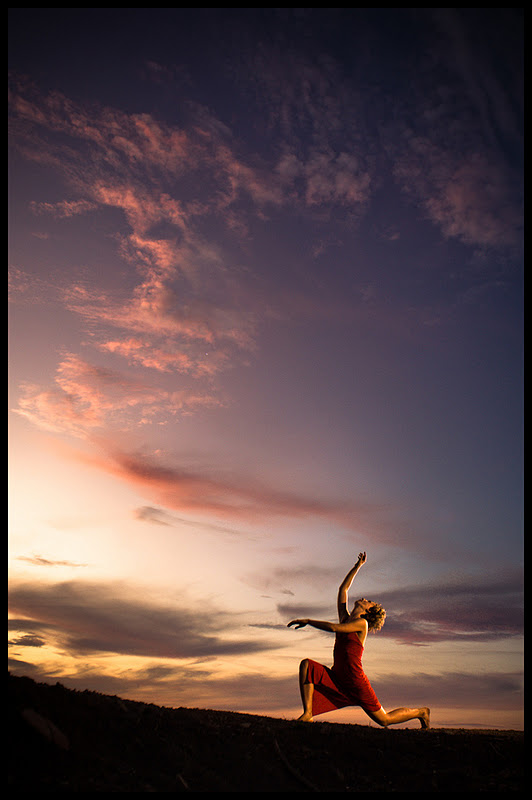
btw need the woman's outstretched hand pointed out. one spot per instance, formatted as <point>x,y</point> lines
<point>299,623</point>
<point>361,559</point>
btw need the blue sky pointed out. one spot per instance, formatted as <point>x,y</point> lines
<point>266,278</point>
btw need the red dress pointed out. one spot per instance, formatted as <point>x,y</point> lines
<point>345,683</point>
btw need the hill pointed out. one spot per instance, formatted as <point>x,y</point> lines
<point>60,740</point>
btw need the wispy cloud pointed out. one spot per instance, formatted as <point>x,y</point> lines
<point>235,498</point>
<point>316,117</point>
<point>471,197</point>
<point>456,141</point>
<point>88,399</point>
<point>159,516</point>
<point>185,307</point>
<point>63,209</point>
<point>40,561</point>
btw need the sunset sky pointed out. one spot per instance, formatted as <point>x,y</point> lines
<point>265,313</point>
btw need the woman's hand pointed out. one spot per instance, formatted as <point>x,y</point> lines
<point>361,559</point>
<point>299,623</point>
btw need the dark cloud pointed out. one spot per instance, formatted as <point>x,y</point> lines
<point>195,688</point>
<point>27,640</point>
<point>470,608</point>
<point>91,618</point>
<point>162,517</point>
<point>155,515</point>
<point>40,561</point>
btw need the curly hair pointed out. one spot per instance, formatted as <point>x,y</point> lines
<point>375,617</point>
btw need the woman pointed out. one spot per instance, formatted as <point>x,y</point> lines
<point>345,684</point>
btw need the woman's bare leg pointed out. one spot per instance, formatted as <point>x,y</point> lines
<point>401,715</point>
<point>307,691</point>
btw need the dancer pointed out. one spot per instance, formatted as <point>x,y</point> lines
<point>345,683</point>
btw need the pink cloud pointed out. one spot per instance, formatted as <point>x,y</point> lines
<point>142,208</point>
<point>138,144</point>
<point>167,359</point>
<point>187,291</point>
<point>221,494</point>
<point>56,411</point>
<point>475,206</point>
<point>87,398</point>
<point>328,178</point>
<point>469,196</point>
<point>137,138</point>
<point>172,268</point>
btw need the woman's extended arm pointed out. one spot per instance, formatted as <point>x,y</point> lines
<point>346,585</point>
<point>359,624</point>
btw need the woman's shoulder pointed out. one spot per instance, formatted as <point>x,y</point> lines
<point>354,631</point>
<point>355,624</point>
<point>357,628</point>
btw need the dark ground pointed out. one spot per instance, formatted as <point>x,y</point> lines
<point>61,740</point>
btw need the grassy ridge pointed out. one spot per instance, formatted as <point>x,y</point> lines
<point>64,740</point>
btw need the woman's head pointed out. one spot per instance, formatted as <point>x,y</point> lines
<point>374,613</point>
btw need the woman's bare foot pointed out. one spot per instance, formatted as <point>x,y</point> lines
<point>305,718</point>
<point>424,717</point>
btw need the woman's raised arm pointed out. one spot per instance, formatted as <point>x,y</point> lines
<point>346,585</point>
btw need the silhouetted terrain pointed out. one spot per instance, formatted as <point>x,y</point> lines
<point>66,741</point>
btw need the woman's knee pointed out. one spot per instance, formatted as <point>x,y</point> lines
<point>380,717</point>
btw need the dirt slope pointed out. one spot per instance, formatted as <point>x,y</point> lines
<point>65,741</point>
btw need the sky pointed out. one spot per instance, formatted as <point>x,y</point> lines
<point>265,313</point>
